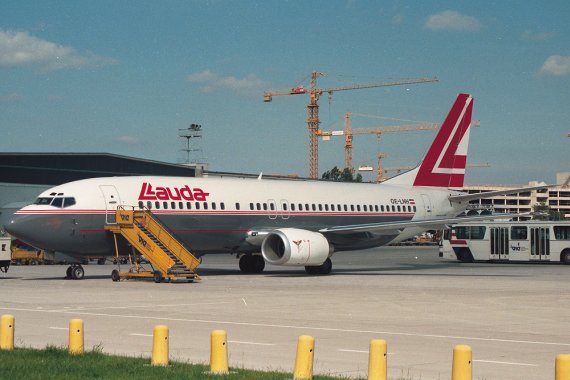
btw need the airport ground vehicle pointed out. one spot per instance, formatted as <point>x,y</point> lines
<point>5,243</point>
<point>531,241</point>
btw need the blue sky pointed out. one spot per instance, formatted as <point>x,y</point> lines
<point>123,77</point>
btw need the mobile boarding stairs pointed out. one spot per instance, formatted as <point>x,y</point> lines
<point>168,257</point>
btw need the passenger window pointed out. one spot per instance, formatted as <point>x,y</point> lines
<point>345,208</point>
<point>188,205</point>
<point>382,208</point>
<point>181,205</point>
<point>148,204</point>
<point>71,201</point>
<point>300,207</point>
<point>205,205</point>
<point>258,206</point>
<point>222,206</point>
<point>284,206</point>
<point>237,205</point>
<point>157,205</point>
<point>393,208</point>
<point>265,206</point>
<point>326,207</point>
<point>357,207</point>
<point>414,208</point>
<point>307,207</point>
<point>141,204</point>
<point>351,207</point>
<point>399,209</point>
<point>292,206</point>
<point>213,205</point>
<point>197,205</point>
<point>272,206</point>
<point>365,208</point>
<point>165,205</point>
<point>314,207</point>
<point>173,205</point>
<point>332,207</point>
<point>250,206</point>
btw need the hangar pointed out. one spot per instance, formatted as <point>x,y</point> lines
<point>25,175</point>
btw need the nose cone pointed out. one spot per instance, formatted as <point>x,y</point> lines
<point>29,229</point>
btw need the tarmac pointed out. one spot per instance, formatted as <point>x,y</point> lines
<point>515,317</point>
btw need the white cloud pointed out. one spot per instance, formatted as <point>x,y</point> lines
<point>130,140</point>
<point>20,48</point>
<point>211,82</point>
<point>452,20</point>
<point>557,65</point>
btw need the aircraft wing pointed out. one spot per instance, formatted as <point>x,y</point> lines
<point>489,194</point>
<point>428,223</point>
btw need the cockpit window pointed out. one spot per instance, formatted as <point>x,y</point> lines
<point>43,201</point>
<point>57,202</point>
<point>60,202</point>
<point>68,201</point>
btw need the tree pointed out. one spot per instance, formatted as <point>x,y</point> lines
<point>346,175</point>
<point>543,212</point>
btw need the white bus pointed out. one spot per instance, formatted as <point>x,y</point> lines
<point>531,241</point>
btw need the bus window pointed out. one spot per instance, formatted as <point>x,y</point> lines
<point>447,234</point>
<point>470,232</point>
<point>519,233</point>
<point>562,232</point>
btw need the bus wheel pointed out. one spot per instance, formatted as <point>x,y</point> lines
<point>565,257</point>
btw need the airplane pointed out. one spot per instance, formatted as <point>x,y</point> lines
<point>281,222</point>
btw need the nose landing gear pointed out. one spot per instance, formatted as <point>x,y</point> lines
<point>74,272</point>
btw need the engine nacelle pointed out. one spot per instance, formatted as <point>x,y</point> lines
<point>295,247</point>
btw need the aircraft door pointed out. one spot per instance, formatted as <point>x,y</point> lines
<point>540,243</point>
<point>272,208</point>
<point>284,209</point>
<point>112,201</point>
<point>427,204</point>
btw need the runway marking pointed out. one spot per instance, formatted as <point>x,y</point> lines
<point>508,363</point>
<point>67,308</point>
<point>356,351</point>
<point>252,343</point>
<point>268,325</point>
<point>136,334</point>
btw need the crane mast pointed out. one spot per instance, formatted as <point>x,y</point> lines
<point>313,120</point>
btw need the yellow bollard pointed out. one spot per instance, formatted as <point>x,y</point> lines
<point>304,358</point>
<point>219,352</point>
<point>461,369</point>
<point>562,367</point>
<point>7,325</point>
<point>76,337</point>
<point>160,346</point>
<point>378,360</point>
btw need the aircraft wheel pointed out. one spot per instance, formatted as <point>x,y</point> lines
<point>324,268</point>
<point>68,273</point>
<point>77,272</point>
<point>157,276</point>
<point>115,275</point>
<point>257,264</point>
<point>245,264</point>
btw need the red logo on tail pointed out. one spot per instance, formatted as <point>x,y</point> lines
<point>444,163</point>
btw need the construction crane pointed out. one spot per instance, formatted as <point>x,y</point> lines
<point>313,120</point>
<point>349,132</point>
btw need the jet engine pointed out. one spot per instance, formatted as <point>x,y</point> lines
<point>295,247</point>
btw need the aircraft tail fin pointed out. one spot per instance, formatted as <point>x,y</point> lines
<point>445,161</point>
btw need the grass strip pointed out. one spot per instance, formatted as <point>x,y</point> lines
<point>56,363</point>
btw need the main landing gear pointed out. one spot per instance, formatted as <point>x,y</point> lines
<point>324,268</point>
<point>74,272</point>
<point>249,263</point>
